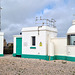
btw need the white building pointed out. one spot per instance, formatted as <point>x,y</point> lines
<point>1,43</point>
<point>71,42</point>
<point>42,43</point>
<point>33,43</point>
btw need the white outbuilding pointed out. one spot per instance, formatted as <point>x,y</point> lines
<point>33,43</point>
<point>42,43</point>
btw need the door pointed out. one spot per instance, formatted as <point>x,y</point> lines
<point>18,46</point>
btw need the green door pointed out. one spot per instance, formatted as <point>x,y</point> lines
<point>18,46</point>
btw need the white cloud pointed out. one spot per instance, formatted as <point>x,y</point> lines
<point>63,14</point>
<point>17,14</point>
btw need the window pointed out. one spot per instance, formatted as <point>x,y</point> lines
<point>68,40</point>
<point>71,39</point>
<point>33,41</point>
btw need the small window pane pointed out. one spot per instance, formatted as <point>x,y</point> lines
<point>71,39</point>
<point>68,40</point>
<point>33,40</point>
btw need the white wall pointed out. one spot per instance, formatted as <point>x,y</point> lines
<point>1,42</point>
<point>14,48</point>
<point>49,35</point>
<point>44,33</point>
<point>60,46</point>
<point>26,43</point>
<point>71,50</point>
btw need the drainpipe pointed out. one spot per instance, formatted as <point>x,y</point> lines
<point>38,29</point>
<point>50,49</point>
<point>49,58</point>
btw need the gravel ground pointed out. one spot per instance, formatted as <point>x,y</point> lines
<point>21,66</point>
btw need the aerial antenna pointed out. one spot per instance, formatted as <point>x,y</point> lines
<point>43,21</point>
<point>74,15</point>
<point>36,18</point>
<point>53,22</point>
<point>40,18</point>
<point>0,15</point>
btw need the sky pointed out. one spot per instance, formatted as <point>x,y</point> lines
<point>17,14</point>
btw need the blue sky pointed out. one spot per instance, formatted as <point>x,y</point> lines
<point>17,14</point>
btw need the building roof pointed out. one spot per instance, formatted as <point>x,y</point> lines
<point>29,29</point>
<point>71,30</point>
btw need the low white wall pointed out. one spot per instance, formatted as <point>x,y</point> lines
<point>71,50</point>
<point>60,46</point>
<point>14,44</point>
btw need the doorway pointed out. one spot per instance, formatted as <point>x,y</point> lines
<point>18,47</point>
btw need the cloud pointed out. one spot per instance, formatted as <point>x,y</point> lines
<point>17,14</point>
<point>63,14</point>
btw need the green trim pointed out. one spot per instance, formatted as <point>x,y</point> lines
<point>14,54</point>
<point>44,57</point>
<point>59,57</point>
<point>70,58</point>
<point>52,57</point>
<point>1,55</point>
<point>32,47</point>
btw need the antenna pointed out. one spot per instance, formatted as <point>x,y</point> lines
<point>36,18</point>
<point>53,22</point>
<point>73,14</point>
<point>40,18</point>
<point>47,22</point>
<point>0,15</point>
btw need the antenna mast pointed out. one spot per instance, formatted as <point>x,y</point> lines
<point>45,21</point>
<point>74,15</point>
